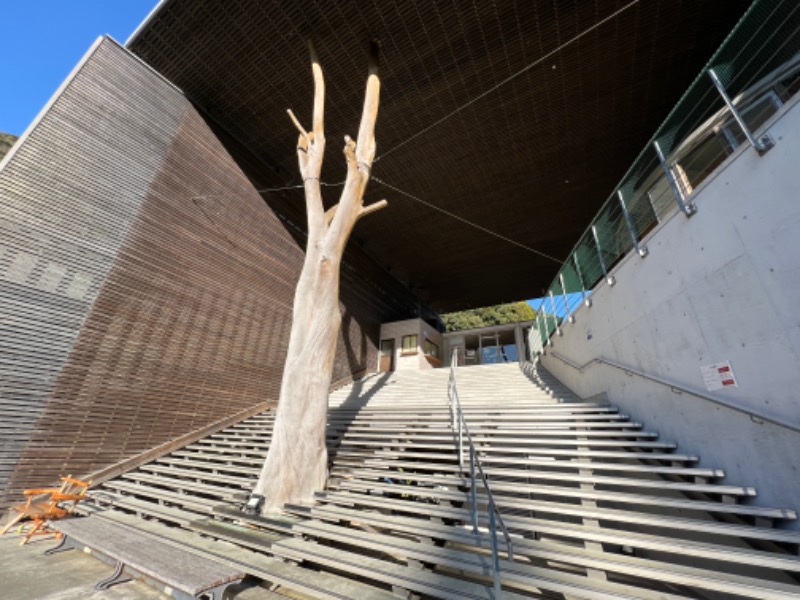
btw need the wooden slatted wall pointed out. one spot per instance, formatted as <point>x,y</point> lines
<point>153,293</point>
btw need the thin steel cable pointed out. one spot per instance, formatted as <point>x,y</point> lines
<point>511,77</point>
<point>298,187</point>
<point>463,220</point>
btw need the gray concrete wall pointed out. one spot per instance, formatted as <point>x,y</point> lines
<point>721,285</point>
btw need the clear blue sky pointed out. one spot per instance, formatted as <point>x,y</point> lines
<point>42,42</point>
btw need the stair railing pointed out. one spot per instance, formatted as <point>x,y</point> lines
<point>755,416</point>
<point>459,426</point>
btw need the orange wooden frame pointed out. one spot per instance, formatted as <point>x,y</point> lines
<point>45,504</point>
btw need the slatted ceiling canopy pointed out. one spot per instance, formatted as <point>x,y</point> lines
<point>531,159</point>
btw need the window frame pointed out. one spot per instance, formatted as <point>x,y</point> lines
<point>408,352</point>
<point>435,346</point>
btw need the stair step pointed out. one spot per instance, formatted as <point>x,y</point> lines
<point>176,483</point>
<point>113,502</point>
<point>517,450</point>
<point>291,578</point>
<point>581,533</point>
<point>512,573</point>
<point>279,523</point>
<point>409,578</point>
<point>499,487</point>
<point>189,501</point>
<point>590,454</point>
<point>517,428</point>
<point>240,481</point>
<point>207,464</point>
<point>677,525</point>
<point>602,480</point>
<point>648,570</point>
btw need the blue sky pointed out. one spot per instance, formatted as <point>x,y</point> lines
<point>44,39</point>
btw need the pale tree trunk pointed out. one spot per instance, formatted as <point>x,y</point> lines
<point>297,463</point>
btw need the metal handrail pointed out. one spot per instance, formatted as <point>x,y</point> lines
<point>676,388</point>
<point>457,420</point>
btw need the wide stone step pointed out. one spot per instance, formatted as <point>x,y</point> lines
<point>409,578</point>
<point>502,437</point>
<point>513,574</point>
<point>176,483</point>
<point>500,488</point>
<point>488,457</point>
<point>412,453</point>
<point>579,532</point>
<point>422,409</point>
<point>554,442</point>
<point>158,494</point>
<point>676,525</point>
<point>654,484</point>
<point>518,427</point>
<point>646,570</point>
<point>208,465</point>
<point>110,501</point>
<point>240,481</point>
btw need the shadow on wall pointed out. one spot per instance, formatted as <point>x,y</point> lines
<point>357,354</point>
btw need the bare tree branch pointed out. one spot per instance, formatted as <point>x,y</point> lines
<point>375,206</point>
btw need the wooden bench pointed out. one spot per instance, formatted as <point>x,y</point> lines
<point>177,571</point>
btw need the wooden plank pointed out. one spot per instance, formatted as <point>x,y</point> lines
<point>163,562</point>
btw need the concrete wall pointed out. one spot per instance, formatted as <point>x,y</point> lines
<point>417,360</point>
<point>721,285</point>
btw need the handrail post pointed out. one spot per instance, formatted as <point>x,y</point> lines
<point>570,316</point>
<point>555,314</point>
<point>609,278</point>
<point>498,592</point>
<point>542,334</point>
<point>586,300</point>
<point>762,145</point>
<point>687,208</point>
<point>473,492</point>
<point>641,251</point>
<point>460,438</point>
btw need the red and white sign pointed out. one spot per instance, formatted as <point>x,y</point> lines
<point>718,376</point>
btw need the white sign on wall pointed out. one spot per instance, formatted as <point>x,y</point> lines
<point>718,376</point>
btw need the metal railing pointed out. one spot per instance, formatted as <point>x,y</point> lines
<point>678,389</point>
<point>726,110</point>
<point>459,426</point>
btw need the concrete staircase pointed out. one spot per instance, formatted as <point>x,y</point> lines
<point>598,507</point>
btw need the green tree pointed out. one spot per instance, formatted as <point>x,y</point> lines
<point>6,141</point>
<point>500,314</point>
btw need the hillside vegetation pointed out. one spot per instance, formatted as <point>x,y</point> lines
<point>488,316</point>
<point>6,141</point>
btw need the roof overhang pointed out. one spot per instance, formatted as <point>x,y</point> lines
<point>503,125</point>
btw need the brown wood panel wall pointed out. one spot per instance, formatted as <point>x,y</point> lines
<point>68,195</point>
<point>191,318</point>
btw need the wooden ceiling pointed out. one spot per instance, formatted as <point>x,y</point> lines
<point>504,125</point>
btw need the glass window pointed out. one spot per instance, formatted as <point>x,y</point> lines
<point>431,349</point>
<point>409,344</point>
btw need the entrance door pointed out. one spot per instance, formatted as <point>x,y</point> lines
<point>387,356</point>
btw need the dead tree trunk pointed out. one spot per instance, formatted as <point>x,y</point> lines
<point>297,463</point>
